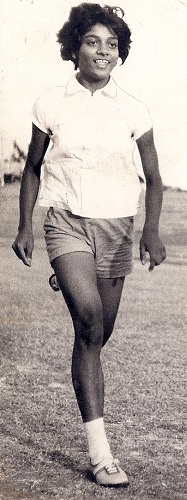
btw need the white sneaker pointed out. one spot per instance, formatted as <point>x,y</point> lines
<point>108,473</point>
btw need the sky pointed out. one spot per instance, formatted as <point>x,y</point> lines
<point>155,71</point>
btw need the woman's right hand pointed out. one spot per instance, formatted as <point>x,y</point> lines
<point>23,246</point>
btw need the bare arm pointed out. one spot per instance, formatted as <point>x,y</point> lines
<point>24,242</point>
<point>150,241</point>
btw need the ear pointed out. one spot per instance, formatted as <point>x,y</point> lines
<point>119,61</point>
<point>75,59</point>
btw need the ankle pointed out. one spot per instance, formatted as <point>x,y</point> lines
<point>98,445</point>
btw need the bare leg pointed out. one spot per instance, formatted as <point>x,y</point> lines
<point>110,290</point>
<point>93,315</point>
<point>77,279</point>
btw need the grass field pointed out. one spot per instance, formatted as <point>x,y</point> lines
<point>43,448</point>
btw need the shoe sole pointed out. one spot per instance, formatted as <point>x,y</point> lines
<point>91,476</point>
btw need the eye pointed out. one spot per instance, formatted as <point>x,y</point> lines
<point>113,45</point>
<point>91,42</point>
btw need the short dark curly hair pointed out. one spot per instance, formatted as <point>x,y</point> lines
<point>82,18</point>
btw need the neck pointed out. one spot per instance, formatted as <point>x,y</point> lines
<point>92,85</point>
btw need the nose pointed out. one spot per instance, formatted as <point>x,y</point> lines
<point>102,49</point>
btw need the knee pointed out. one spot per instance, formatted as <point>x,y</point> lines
<point>89,324</point>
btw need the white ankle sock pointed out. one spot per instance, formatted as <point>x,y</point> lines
<point>98,445</point>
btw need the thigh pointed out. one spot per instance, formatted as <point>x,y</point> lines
<point>76,275</point>
<point>110,290</point>
<point>113,239</point>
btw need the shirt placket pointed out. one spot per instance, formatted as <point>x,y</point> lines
<point>90,129</point>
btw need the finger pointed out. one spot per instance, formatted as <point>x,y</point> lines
<point>26,258</point>
<point>164,254</point>
<point>158,259</point>
<point>152,264</point>
<point>142,254</point>
<point>18,251</point>
<point>21,254</point>
<point>27,261</point>
<point>14,247</point>
<point>28,253</point>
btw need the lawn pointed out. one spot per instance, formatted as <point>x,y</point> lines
<point>43,447</point>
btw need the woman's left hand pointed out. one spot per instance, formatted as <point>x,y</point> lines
<point>151,243</point>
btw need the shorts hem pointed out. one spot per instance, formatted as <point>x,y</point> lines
<point>59,253</point>
<point>110,274</point>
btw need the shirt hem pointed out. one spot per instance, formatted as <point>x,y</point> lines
<point>90,215</point>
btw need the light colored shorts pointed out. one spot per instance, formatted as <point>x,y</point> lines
<point>108,240</point>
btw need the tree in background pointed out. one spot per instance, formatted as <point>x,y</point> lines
<point>13,167</point>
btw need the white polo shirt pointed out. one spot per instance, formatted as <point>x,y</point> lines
<point>89,170</point>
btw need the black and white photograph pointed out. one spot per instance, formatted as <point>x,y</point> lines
<point>93,347</point>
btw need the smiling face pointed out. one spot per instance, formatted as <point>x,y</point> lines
<point>97,56</point>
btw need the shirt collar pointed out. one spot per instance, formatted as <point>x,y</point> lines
<point>73,86</point>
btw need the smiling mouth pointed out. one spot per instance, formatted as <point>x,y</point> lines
<point>102,63</point>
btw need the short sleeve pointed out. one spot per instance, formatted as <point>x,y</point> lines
<point>143,121</point>
<point>40,114</point>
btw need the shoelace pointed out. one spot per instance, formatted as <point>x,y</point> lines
<point>113,467</point>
